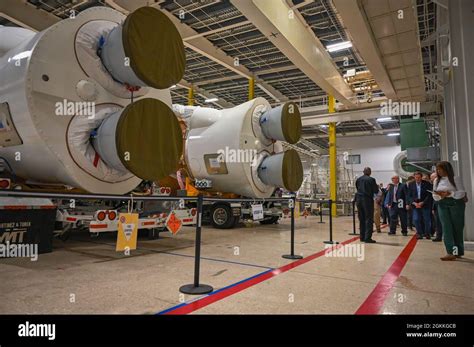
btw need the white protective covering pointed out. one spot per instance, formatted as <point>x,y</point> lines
<point>11,37</point>
<point>82,150</point>
<point>86,45</point>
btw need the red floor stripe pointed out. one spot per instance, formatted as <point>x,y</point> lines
<point>207,300</point>
<point>374,302</point>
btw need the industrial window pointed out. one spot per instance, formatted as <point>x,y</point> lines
<point>353,159</point>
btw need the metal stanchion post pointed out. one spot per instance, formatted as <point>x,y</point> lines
<point>196,288</point>
<point>321,213</point>
<point>330,225</point>
<point>354,232</point>
<point>292,254</point>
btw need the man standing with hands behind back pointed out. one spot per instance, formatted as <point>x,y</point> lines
<point>367,188</point>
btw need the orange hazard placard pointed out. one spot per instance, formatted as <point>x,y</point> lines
<point>173,223</point>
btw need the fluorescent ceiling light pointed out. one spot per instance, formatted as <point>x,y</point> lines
<point>314,150</point>
<point>173,86</point>
<point>384,119</point>
<point>339,46</point>
<point>393,134</point>
<point>323,126</point>
<point>211,100</point>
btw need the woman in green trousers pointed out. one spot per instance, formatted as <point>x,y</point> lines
<point>448,192</point>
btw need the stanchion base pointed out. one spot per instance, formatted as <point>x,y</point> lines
<point>192,290</point>
<point>321,222</point>
<point>292,256</point>
<point>331,242</point>
<point>353,234</point>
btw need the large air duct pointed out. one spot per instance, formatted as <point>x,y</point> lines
<point>85,102</point>
<point>398,166</point>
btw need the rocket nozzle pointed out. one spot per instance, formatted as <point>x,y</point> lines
<point>282,123</point>
<point>146,50</point>
<point>283,170</point>
<point>144,138</point>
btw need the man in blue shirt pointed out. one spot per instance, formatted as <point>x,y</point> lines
<point>421,200</point>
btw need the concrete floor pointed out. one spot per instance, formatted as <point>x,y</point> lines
<point>86,275</point>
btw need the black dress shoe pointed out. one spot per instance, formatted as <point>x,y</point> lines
<point>370,241</point>
<point>391,233</point>
<point>428,237</point>
<point>436,240</point>
<point>405,234</point>
<point>419,237</point>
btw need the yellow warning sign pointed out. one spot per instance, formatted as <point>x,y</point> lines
<point>127,232</point>
<point>173,223</point>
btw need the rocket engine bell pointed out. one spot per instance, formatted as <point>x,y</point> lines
<point>85,102</point>
<point>239,149</point>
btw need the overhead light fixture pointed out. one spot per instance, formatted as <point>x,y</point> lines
<point>384,119</point>
<point>393,134</point>
<point>339,46</point>
<point>173,86</point>
<point>211,100</point>
<point>350,73</point>
<point>314,150</point>
<point>323,126</point>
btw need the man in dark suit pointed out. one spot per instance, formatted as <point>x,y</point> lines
<point>421,200</point>
<point>366,190</point>
<point>397,203</point>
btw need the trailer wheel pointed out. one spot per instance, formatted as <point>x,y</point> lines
<point>221,216</point>
<point>270,220</point>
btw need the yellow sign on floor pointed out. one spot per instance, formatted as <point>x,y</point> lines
<point>127,232</point>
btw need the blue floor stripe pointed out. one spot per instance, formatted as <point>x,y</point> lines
<point>215,292</point>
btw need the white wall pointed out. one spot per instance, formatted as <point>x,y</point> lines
<point>376,152</point>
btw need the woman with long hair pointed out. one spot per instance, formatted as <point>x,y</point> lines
<point>449,193</point>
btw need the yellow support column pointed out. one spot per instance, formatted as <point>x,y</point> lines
<point>332,157</point>
<point>251,88</point>
<point>191,96</point>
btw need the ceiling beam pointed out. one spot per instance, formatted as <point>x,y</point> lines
<point>215,31</point>
<point>360,114</point>
<point>257,74</point>
<point>26,15</point>
<point>355,133</point>
<point>355,21</point>
<point>296,40</point>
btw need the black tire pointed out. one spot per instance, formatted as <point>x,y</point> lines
<point>270,220</point>
<point>221,216</point>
